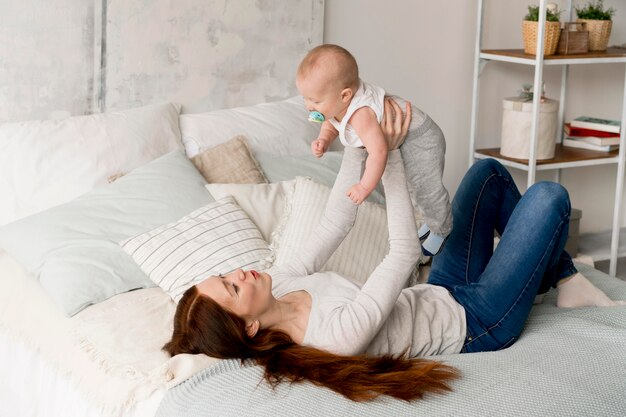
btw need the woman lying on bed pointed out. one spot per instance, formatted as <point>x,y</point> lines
<point>303,324</point>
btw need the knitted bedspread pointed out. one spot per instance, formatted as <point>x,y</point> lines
<point>568,362</point>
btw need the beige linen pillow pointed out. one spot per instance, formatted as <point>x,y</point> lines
<point>229,163</point>
<point>264,203</point>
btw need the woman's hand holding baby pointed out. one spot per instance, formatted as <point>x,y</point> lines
<point>394,124</point>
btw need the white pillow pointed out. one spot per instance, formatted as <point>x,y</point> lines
<point>359,254</point>
<point>215,239</point>
<point>278,128</point>
<point>45,163</point>
<point>264,203</point>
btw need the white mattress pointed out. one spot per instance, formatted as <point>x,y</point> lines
<point>31,388</point>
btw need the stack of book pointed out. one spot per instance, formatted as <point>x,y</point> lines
<point>592,133</point>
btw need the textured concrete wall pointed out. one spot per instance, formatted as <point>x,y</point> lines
<point>206,54</point>
<point>79,57</point>
<point>46,58</point>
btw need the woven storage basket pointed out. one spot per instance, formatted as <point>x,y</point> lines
<point>599,32</point>
<point>550,37</point>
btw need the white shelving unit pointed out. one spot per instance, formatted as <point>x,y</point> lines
<point>595,245</point>
<point>565,157</point>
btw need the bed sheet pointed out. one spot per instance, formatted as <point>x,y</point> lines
<point>568,362</point>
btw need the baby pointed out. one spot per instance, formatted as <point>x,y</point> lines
<point>328,79</point>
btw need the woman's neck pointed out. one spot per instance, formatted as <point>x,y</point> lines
<point>291,315</point>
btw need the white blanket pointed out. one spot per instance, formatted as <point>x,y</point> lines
<point>567,363</point>
<point>110,352</point>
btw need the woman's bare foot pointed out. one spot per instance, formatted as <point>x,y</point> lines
<point>578,291</point>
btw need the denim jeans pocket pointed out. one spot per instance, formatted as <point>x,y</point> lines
<point>482,338</point>
<point>486,342</point>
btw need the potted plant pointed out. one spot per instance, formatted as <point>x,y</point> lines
<point>551,33</point>
<point>598,22</point>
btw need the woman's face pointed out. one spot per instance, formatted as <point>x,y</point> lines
<point>248,294</point>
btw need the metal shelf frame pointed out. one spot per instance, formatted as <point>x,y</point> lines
<point>481,58</point>
<point>550,166</point>
<point>495,56</point>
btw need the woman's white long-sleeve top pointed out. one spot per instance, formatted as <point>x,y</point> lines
<point>381,317</point>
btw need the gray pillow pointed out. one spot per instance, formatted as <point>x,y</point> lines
<point>73,248</point>
<point>322,170</point>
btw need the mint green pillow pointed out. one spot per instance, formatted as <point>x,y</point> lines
<point>322,170</point>
<point>73,248</point>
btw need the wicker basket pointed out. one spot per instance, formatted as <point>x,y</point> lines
<point>550,37</point>
<point>599,32</point>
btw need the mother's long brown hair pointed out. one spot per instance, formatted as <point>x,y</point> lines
<point>201,325</point>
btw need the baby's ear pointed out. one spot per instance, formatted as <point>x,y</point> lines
<point>346,94</point>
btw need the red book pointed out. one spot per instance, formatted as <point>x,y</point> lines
<point>583,132</point>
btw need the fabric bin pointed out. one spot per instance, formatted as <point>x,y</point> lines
<point>516,126</point>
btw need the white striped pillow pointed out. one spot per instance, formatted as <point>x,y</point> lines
<point>215,239</point>
<point>359,254</point>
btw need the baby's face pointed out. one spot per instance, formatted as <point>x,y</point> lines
<point>321,95</point>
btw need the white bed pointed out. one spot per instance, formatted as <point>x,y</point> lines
<point>67,350</point>
<point>55,365</point>
<point>33,387</point>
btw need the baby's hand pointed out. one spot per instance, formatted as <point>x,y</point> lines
<point>357,193</point>
<point>319,147</point>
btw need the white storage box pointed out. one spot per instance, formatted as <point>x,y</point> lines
<point>516,126</point>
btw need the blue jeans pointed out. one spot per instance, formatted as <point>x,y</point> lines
<point>497,288</point>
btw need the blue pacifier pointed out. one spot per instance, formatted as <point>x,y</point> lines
<point>316,117</point>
